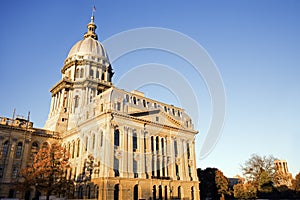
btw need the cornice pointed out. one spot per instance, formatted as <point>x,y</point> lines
<point>33,131</point>
<point>64,83</point>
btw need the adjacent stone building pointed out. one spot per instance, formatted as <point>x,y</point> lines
<point>19,142</point>
<point>284,176</point>
<point>143,149</point>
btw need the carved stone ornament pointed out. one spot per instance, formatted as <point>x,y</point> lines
<point>118,153</point>
<point>136,156</point>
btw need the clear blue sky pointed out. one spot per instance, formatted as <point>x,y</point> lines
<point>255,45</point>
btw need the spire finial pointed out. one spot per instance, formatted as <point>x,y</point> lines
<point>92,27</point>
<point>93,11</point>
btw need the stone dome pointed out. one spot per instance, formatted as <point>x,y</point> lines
<point>88,46</point>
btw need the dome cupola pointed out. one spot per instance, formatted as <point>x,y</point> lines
<point>89,48</point>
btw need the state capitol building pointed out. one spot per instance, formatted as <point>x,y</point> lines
<point>144,149</point>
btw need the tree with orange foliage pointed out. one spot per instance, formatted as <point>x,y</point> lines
<point>47,172</point>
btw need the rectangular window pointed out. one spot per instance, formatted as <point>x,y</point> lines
<point>134,142</point>
<point>135,169</point>
<point>175,148</point>
<point>116,138</point>
<point>93,141</point>
<point>152,144</point>
<point>177,171</point>
<point>188,150</point>
<point>118,106</point>
<point>116,167</point>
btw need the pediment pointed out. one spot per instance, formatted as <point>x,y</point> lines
<point>159,117</point>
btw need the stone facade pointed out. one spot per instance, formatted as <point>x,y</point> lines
<point>143,149</point>
<point>19,142</point>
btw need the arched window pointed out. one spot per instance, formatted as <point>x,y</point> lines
<point>97,74</point>
<point>102,77</point>
<point>19,150</point>
<point>134,100</point>
<point>5,148</point>
<point>45,145</point>
<point>91,73</point>
<point>166,192</point>
<point>160,192</point>
<point>88,191</point>
<point>34,149</point>
<point>81,72</point>
<point>179,192</point>
<point>154,192</point>
<point>192,193</point>
<point>126,98</point>
<point>116,192</point>
<point>136,192</point>
<point>96,191</point>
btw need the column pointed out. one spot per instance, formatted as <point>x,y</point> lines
<point>185,162</point>
<point>124,163</point>
<point>52,105</point>
<point>154,158</point>
<point>130,153</point>
<point>109,148</point>
<point>142,171</point>
<point>166,157</point>
<point>171,160</point>
<point>148,154</point>
<point>193,158</point>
